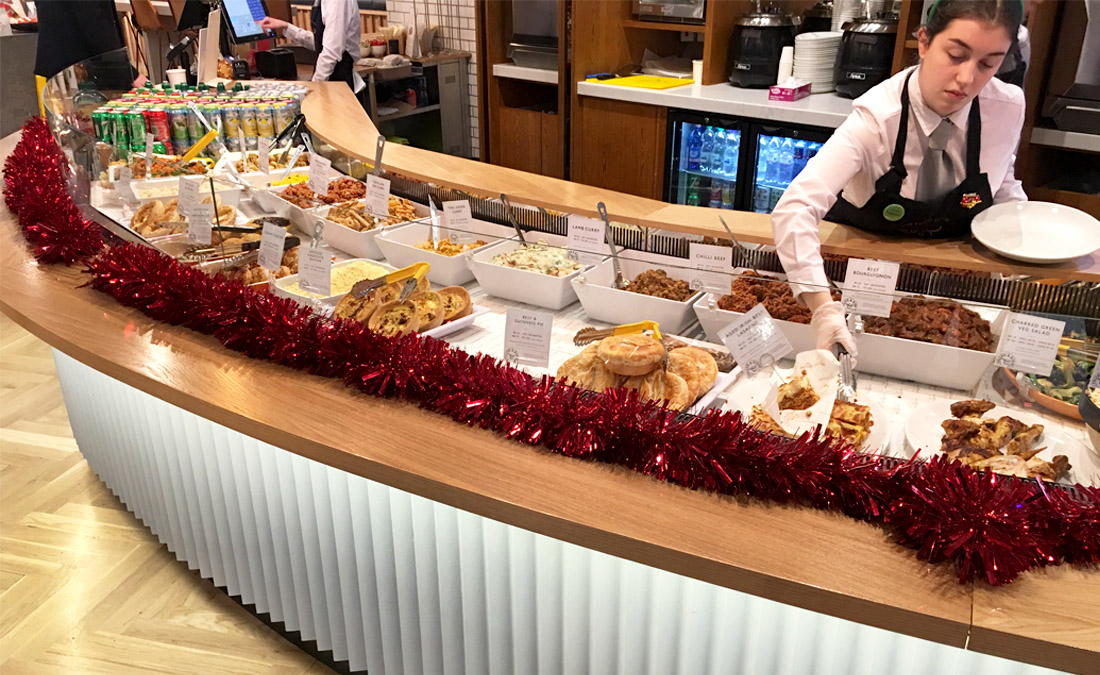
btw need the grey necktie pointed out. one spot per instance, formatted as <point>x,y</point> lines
<point>937,171</point>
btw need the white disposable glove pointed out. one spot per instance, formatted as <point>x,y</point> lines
<point>830,328</point>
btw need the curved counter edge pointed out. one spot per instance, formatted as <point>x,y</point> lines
<point>794,556</point>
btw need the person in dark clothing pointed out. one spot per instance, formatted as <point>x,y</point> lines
<point>71,31</point>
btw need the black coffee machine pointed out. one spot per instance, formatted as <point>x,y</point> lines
<point>756,45</point>
<point>866,53</point>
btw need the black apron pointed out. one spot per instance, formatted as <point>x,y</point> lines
<point>345,68</point>
<point>887,212</point>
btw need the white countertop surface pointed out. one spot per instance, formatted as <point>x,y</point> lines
<point>511,70</point>
<point>823,110</point>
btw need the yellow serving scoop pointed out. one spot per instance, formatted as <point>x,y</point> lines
<point>588,335</point>
<point>410,275</point>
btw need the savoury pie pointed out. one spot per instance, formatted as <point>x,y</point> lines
<point>696,366</point>
<point>456,302</point>
<point>429,309</point>
<point>395,318</point>
<point>631,355</point>
<point>661,385</point>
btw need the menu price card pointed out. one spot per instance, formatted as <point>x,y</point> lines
<point>459,222</point>
<point>148,155</point>
<point>527,337</point>
<point>1029,344</point>
<point>126,184</point>
<point>869,287</point>
<point>378,196</point>
<point>198,223</point>
<point>586,240</point>
<point>263,154</point>
<point>315,271</point>
<point>711,267</point>
<point>271,247</point>
<point>319,170</point>
<point>188,194</point>
<point>755,340</point>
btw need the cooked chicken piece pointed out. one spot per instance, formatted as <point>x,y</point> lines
<point>1022,442</point>
<point>957,428</point>
<point>1061,465</point>
<point>1010,465</point>
<point>971,407</point>
<point>1005,429</point>
<point>1039,468</point>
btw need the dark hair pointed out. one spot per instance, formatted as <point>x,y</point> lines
<point>1008,14</point>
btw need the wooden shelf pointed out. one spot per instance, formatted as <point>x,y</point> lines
<point>665,25</point>
<point>912,44</point>
<point>408,113</point>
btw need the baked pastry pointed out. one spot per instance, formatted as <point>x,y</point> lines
<point>456,302</point>
<point>395,318</point>
<point>797,393</point>
<point>661,385</point>
<point>696,366</point>
<point>429,309</point>
<point>850,421</point>
<point>224,214</point>
<point>588,371</point>
<point>630,355</point>
<point>766,423</point>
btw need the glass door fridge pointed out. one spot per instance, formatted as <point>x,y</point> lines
<point>704,160</point>
<point>774,156</point>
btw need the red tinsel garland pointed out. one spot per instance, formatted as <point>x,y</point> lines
<point>990,527</point>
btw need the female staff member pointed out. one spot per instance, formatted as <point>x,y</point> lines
<point>335,38</point>
<point>921,154</point>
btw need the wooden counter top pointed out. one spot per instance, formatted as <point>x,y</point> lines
<point>333,114</point>
<point>820,561</point>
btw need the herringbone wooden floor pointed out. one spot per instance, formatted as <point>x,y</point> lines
<point>84,587</point>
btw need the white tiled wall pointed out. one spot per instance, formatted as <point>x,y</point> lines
<point>457,31</point>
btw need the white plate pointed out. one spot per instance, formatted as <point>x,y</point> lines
<point>923,432</point>
<point>749,391</point>
<point>1038,232</point>
<point>452,327</point>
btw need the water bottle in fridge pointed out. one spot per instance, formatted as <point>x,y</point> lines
<point>786,161</point>
<point>812,150</point>
<point>706,161</point>
<point>695,147</point>
<point>719,152</point>
<point>729,158</point>
<point>799,157</point>
<point>771,155</point>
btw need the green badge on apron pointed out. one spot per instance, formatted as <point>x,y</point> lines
<point>893,212</point>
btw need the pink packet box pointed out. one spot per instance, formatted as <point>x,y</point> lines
<point>791,90</point>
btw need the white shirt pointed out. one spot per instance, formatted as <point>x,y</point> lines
<point>342,31</point>
<point>859,152</point>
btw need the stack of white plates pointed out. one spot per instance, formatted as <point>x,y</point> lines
<point>814,55</point>
<point>846,10</point>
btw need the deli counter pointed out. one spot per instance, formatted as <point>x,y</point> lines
<point>329,493</point>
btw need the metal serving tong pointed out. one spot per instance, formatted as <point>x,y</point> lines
<point>620,280</point>
<point>229,253</point>
<point>512,218</point>
<point>737,244</point>
<point>410,275</point>
<point>589,335</point>
<point>252,254</point>
<point>847,390</point>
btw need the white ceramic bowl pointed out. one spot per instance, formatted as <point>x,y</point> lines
<point>509,283</point>
<point>398,244</point>
<point>602,301</point>
<point>280,286</point>
<point>1038,232</point>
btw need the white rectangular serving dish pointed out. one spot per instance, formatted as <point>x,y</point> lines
<point>280,285</point>
<point>452,327</point>
<point>398,244</point>
<point>166,189</point>
<point>924,362</point>
<point>359,244</point>
<point>602,301</point>
<point>532,288</point>
<point>271,200</point>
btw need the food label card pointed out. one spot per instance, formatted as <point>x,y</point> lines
<point>712,267</point>
<point>263,154</point>
<point>126,184</point>
<point>527,337</point>
<point>148,154</point>
<point>188,194</point>
<point>459,222</point>
<point>378,195</point>
<point>271,247</point>
<point>586,240</point>
<point>869,287</point>
<point>319,169</point>
<point>315,271</point>
<point>755,340</point>
<point>1029,344</point>
<point>244,144</point>
<point>198,223</point>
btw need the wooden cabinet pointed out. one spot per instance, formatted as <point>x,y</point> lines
<point>619,146</point>
<point>529,140</point>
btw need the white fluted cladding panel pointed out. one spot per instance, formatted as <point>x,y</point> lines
<point>395,583</point>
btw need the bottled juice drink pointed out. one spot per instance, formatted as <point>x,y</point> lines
<point>231,124</point>
<point>177,121</point>
<point>265,126</point>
